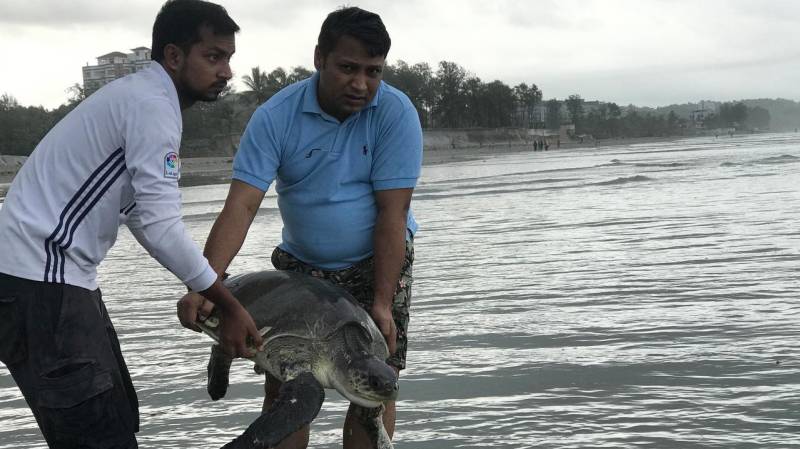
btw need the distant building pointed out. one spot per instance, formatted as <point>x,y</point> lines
<point>592,106</point>
<point>697,117</point>
<point>539,113</point>
<point>112,66</point>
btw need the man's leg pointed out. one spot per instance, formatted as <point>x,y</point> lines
<point>297,440</point>
<point>355,436</point>
<point>70,375</point>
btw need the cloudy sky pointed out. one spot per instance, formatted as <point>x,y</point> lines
<point>645,52</point>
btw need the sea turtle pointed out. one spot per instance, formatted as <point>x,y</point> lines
<point>315,336</point>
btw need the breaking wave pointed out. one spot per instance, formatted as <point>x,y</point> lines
<point>624,180</point>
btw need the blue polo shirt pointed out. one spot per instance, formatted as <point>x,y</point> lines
<point>326,171</point>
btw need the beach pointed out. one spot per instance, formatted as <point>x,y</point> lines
<point>639,295</point>
<point>217,170</point>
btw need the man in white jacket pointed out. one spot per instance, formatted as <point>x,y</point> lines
<point>112,160</point>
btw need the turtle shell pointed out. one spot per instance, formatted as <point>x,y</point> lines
<point>299,305</point>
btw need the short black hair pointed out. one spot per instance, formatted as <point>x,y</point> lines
<point>366,27</point>
<point>179,22</point>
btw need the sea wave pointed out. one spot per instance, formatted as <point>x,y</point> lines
<point>624,180</point>
<point>613,163</point>
<point>662,165</point>
<point>772,160</point>
<point>211,216</point>
<point>782,159</point>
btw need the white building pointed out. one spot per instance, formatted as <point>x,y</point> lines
<point>112,66</point>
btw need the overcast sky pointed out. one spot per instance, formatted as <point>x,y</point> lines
<point>644,52</point>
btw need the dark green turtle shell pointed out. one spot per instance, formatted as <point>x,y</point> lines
<point>300,305</point>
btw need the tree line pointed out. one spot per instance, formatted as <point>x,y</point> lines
<point>22,127</point>
<point>609,120</point>
<point>448,97</point>
<point>445,96</point>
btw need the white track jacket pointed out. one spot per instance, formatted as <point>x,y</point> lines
<point>112,160</point>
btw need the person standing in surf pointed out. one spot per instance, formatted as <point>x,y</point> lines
<point>345,152</point>
<point>112,160</point>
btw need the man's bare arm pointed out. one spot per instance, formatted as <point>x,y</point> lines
<point>230,229</point>
<point>224,242</point>
<point>390,247</point>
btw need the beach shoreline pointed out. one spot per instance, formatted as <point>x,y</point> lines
<point>217,169</point>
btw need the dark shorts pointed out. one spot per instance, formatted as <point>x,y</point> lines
<point>61,348</point>
<point>359,281</point>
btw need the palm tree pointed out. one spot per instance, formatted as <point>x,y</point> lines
<point>258,84</point>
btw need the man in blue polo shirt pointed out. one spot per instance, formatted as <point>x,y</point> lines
<point>345,152</point>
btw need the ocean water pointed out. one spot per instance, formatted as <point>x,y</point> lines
<point>629,296</point>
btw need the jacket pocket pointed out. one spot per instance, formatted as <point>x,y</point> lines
<point>13,347</point>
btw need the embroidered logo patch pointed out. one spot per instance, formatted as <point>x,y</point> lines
<point>172,165</point>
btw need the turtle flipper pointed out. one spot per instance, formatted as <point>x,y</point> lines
<point>219,368</point>
<point>297,404</point>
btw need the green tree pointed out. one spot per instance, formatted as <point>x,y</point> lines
<point>732,114</point>
<point>258,83</point>
<point>527,97</point>
<point>476,111</point>
<point>449,104</point>
<point>500,103</point>
<point>575,108</point>
<point>415,81</point>
<point>76,93</point>
<point>276,80</point>
<point>757,118</point>
<point>8,102</point>
<point>673,123</point>
<point>21,128</point>
<point>299,73</point>
<point>553,115</point>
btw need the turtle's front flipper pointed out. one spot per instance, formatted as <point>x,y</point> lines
<point>298,403</point>
<point>219,368</point>
<point>371,420</point>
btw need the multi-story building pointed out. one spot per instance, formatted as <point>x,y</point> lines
<point>112,66</point>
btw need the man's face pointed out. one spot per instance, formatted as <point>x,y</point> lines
<point>348,77</point>
<point>206,69</point>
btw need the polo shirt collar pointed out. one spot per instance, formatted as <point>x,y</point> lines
<point>311,104</point>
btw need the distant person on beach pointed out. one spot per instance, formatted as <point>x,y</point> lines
<point>112,160</point>
<point>345,151</point>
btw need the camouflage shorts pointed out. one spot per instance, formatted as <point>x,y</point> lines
<point>359,281</point>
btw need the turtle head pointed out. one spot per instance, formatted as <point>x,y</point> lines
<point>360,375</point>
<point>372,381</point>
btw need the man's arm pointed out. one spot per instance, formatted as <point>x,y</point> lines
<point>224,242</point>
<point>152,135</point>
<point>390,249</point>
<point>230,229</point>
